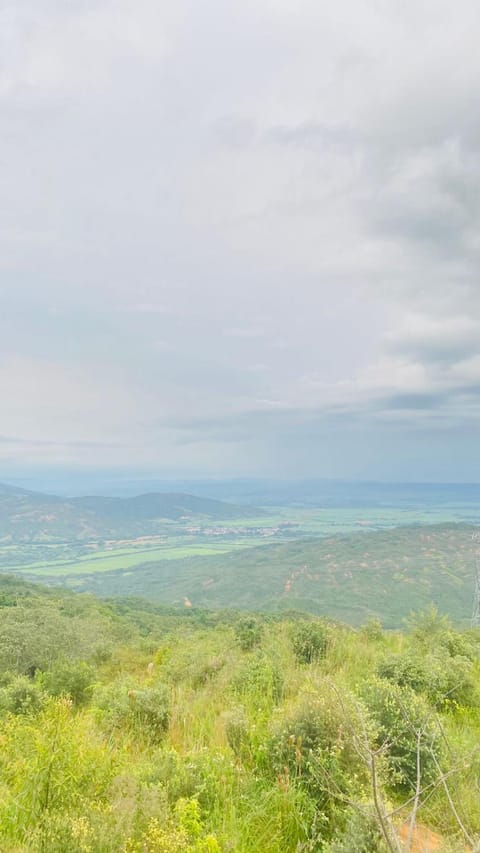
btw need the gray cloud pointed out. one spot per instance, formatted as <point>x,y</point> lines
<point>237,239</point>
<point>314,134</point>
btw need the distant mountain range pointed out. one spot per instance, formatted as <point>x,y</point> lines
<point>33,516</point>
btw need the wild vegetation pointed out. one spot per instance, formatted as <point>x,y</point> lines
<point>140,729</point>
<point>383,573</point>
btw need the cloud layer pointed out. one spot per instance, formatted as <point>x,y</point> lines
<point>241,239</point>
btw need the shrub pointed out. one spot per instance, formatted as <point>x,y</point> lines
<point>144,712</point>
<point>149,710</point>
<point>33,636</point>
<point>197,662</point>
<point>50,765</point>
<point>407,670</point>
<point>69,678</point>
<point>102,653</point>
<point>248,633</point>
<point>316,725</point>
<point>372,629</point>
<point>259,679</point>
<point>428,625</point>
<point>313,747</point>
<point>399,715</point>
<point>20,695</point>
<point>309,641</point>
<point>207,670</point>
<point>361,835</point>
<point>237,731</point>
<point>185,833</point>
<point>458,645</point>
<point>446,681</point>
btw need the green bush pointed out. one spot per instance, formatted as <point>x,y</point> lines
<point>447,682</point>
<point>206,670</point>
<point>197,662</point>
<point>20,695</point>
<point>399,714</point>
<point>237,731</point>
<point>313,748</point>
<point>427,626</point>
<point>69,678</point>
<point>144,712</point>
<point>51,766</point>
<point>458,645</point>
<point>361,835</point>
<point>407,670</point>
<point>34,635</point>
<point>248,633</point>
<point>259,679</point>
<point>185,833</point>
<point>372,629</point>
<point>309,640</point>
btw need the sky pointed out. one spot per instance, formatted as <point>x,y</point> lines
<point>240,239</point>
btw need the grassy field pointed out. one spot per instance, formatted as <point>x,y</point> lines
<point>127,558</point>
<point>328,520</point>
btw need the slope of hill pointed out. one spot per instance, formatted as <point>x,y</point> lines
<point>149,507</point>
<point>125,726</point>
<point>32,516</point>
<point>385,574</point>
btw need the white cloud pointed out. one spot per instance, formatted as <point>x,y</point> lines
<point>216,211</point>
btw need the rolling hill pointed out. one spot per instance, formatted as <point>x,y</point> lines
<point>32,516</point>
<point>351,577</point>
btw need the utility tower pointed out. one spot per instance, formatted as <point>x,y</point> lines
<point>476,597</point>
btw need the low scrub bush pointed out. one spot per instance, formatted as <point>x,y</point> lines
<point>145,712</point>
<point>309,640</point>
<point>237,731</point>
<point>20,695</point>
<point>313,747</point>
<point>69,678</point>
<point>372,629</point>
<point>183,833</point>
<point>447,682</point>
<point>259,679</point>
<point>249,633</point>
<point>400,715</point>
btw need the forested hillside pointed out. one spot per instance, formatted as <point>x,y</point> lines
<point>134,728</point>
<point>350,577</point>
<point>27,516</point>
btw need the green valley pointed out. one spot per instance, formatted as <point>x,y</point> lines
<point>383,573</point>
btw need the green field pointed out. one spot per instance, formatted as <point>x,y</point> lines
<point>43,557</point>
<point>125,558</point>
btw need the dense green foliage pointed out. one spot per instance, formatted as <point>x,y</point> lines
<point>127,728</point>
<point>353,577</point>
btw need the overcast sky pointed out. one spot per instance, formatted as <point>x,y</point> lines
<point>240,238</point>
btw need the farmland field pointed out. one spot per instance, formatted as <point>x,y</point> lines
<point>127,558</point>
